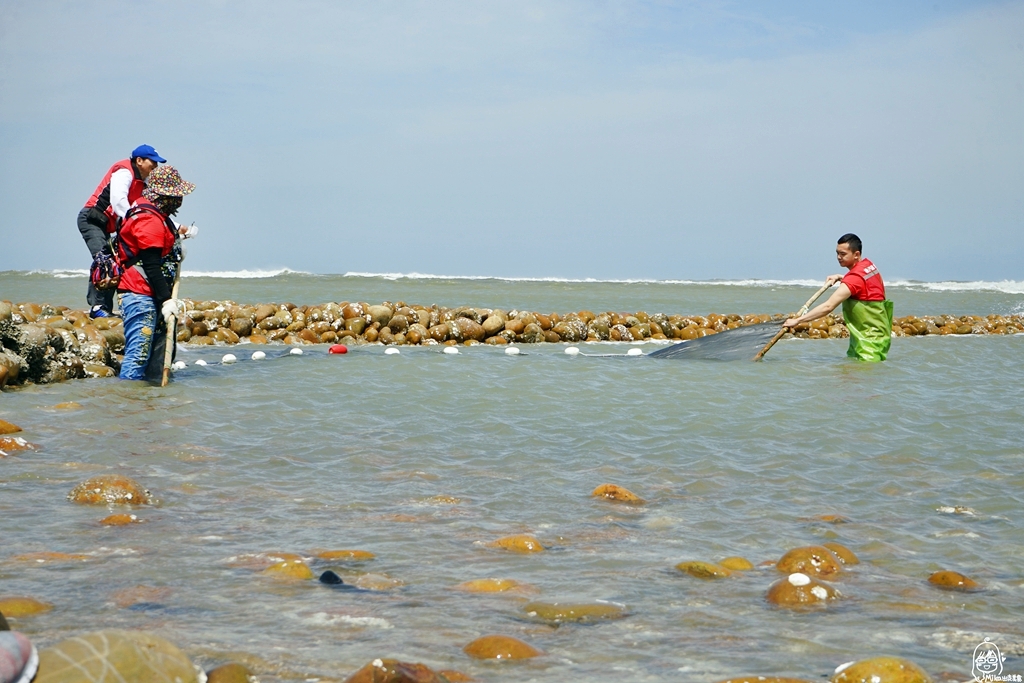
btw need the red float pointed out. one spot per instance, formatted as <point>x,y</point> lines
<point>338,348</point>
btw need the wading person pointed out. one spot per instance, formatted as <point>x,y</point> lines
<point>98,220</point>
<point>148,251</point>
<point>861,292</point>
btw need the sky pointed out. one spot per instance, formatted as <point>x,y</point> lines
<point>659,139</point>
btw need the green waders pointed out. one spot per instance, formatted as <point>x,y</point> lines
<point>870,326</point>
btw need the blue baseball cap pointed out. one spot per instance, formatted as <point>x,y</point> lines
<point>147,152</point>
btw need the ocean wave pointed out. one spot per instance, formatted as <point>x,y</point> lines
<point>589,280</point>
<point>1005,286</point>
<point>243,274</point>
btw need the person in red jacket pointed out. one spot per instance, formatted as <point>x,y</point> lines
<point>98,220</point>
<point>147,250</point>
<point>866,311</point>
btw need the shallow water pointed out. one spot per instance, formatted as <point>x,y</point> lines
<point>298,453</point>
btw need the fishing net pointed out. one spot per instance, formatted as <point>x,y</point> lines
<point>742,343</point>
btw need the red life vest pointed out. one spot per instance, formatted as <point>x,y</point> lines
<point>100,199</point>
<point>865,282</point>
<point>145,227</point>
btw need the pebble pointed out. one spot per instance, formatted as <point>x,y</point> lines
<point>500,647</point>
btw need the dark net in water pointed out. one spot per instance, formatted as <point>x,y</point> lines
<point>742,343</point>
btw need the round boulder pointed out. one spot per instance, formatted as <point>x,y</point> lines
<point>114,655</point>
<point>110,489</point>
<point>520,543</point>
<point>881,670</point>
<point>953,581</point>
<point>704,570</point>
<point>617,494</point>
<point>814,560</point>
<point>798,591</point>
<point>500,647</point>
<point>394,671</point>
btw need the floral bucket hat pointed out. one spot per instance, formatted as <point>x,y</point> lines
<point>166,181</point>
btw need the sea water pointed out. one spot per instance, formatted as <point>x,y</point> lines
<point>424,459</point>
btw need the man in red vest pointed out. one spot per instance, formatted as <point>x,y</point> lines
<point>866,311</point>
<point>99,220</point>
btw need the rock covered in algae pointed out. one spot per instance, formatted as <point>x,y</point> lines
<point>290,570</point>
<point>8,428</point>
<point>617,493</point>
<point>110,489</point>
<point>115,656</point>
<point>953,581</point>
<point>13,444</point>
<point>520,543</point>
<point>845,555</point>
<point>814,560</point>
<point>119,519</point>
<point>500,647</point>
<point>704,570</point>
<point>394,671</point>
<point>355,555</point>
<point>764,679</point>
<point>800,591</point>
<point>738,564</point>
<point>232,672</point>
<point>558,612</point>
<point>881,670</point>
<point>487,585</point>
<point>21,606</point>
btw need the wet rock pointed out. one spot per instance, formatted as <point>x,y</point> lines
<point>487,585</point>
<point>8,428</point>
<point>229,673</point>
<point>131,656</point>
<point>119,519</point>
<point>98,370</point>
<point>881,670</point>
<point>494,324</point>
<point>845,555</point>
<point>4,626</point>
<point>19,606</point>
<point>764,679</point>
<point>359,555</point>
<point>377,582</point>
<point>799,590</point>
<point>14,444</point>
<point>617,494</point>
<point>46,556</point>
<point>953,581</point>
<point>555,612</point>
<point>110,489</point>
<point>736,564</point>
<point>394,671</point>
<point>520,543</point>
<point>464,329</point>
<point>500,647</point>
<point>813,560</point>
<point>331,578</point>
<point>3,376</point>
<point>704,570</point>
<point>290,569</point>
<point>379,314</point>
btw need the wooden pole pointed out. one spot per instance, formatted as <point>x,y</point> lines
<point>782,331</point>
<point>172,330</point>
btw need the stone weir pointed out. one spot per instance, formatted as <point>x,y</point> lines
<point>41,343</point>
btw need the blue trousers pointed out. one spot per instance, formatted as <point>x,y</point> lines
<point>145,337</point>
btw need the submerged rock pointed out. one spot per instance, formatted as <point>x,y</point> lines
<point>557,612</point>
<point>487,585</point>
<point>394,671</point>
<point>704,570</point>
<point>344,555</point>
<point>953,581</point>
<point>13,444</point>
<point>617,494</point>
<point>115,656</point>
<point>290,569</point>
<point>229,673</point>
<point>21,606</point>
<point>520,543</point>
<point>801,591</point>
<point>500,647</point>
<point>740,564</point>
<point>814,560</point>
<point>764,679</point>
<point>8,428</point>
<point>881,670</point>
<point>110,489</point>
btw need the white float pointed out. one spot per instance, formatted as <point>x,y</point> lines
<point>296,352</point>
<point>635,352</point>
<point>200,362</point>
<point>179,365</point>
<point>512,351</point>
<point>391,351</point>
<point>228,359</point>
<point>258,355</point>
<point>450,350</point>
<point>572,351</point>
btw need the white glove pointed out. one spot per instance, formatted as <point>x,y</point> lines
<point>189,231</point>
<point>172,308</point>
